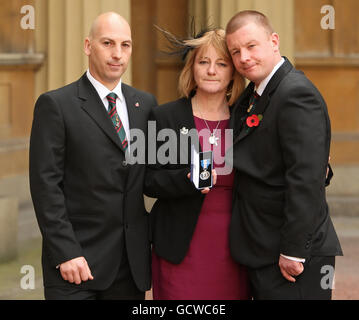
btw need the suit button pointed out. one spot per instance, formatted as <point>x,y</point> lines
<point>124,163</point>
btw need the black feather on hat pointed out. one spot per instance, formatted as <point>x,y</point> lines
<point>179,46</point>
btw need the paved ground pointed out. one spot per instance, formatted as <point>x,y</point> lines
<point>11,278</point>
<point>347,267</point>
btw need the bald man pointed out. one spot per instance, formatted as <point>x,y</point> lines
<point>87,196</point>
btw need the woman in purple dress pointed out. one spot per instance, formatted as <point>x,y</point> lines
<point>190,227</point>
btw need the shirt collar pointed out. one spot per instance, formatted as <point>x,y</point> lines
<point>264,82</point>
<point>102,90</point>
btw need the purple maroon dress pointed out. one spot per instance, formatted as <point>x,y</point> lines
<point>208,271</point>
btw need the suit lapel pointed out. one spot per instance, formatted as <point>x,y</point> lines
<point>186,115</point>
<point>264,100</point>
<point>186,120</point>
<point>240,110</point>
<point>133,107</point>
<point>136,121</point>
<point>135,116</point>
<point>93,106</point>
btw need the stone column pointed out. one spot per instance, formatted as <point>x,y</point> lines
<point>60,33</point>
<point>279,12</point>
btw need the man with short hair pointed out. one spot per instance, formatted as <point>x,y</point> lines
<point>280,225</point>
<point>88,199</point>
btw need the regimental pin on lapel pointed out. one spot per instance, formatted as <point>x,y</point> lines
<point>137,104</point>
<point>184,130</point>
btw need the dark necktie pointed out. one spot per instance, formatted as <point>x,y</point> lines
<point>112,112</point>
<point>252,102</point>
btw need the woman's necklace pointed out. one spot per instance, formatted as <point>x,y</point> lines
<point>212,138</point>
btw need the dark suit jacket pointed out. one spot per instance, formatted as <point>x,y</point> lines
<point>88,200</point>
<point>279,203</point>
<point>175,213</point>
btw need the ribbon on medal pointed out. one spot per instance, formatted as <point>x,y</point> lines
<point>205,174</point>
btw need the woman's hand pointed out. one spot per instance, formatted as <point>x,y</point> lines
<point>214,181</point>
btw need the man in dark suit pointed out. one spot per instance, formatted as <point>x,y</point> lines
<point>280,225</point>
<point>87,196</point>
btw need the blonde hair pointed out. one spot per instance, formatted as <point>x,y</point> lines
<point>215,38</point>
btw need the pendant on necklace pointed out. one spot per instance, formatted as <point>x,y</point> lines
<point>213,139</point>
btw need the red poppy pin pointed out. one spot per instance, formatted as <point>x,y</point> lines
<point>252,121</point>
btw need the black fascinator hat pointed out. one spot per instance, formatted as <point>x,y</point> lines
<point>180,47</point>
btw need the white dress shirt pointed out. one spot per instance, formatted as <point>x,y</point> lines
<point>260,90</point>
<point>264,82</point>
<point>121,107</point>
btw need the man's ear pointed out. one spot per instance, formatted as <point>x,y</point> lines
<point>275,41</point>
<point>87,46</point>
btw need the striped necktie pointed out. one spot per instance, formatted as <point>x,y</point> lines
<point>112,112</point>
<point>252,102</point>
